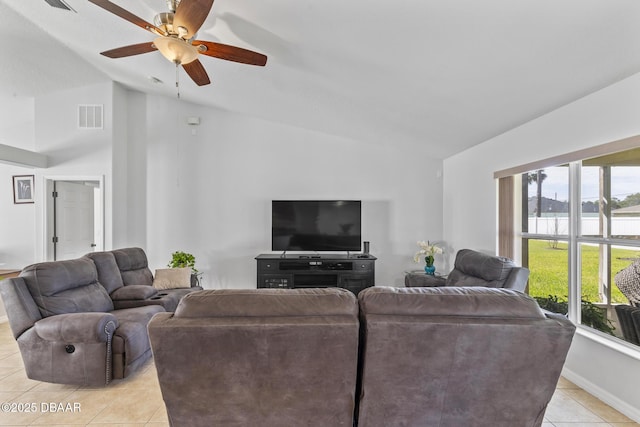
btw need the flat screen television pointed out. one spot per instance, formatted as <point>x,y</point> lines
<point>316,225</point>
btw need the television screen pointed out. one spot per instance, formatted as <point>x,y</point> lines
<point>316,225</point>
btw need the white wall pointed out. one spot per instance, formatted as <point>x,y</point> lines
<point>207,189</point>
<point>17,222</point>
<point>74,152</point>
<point>210,193</point>
<point>605,116</point>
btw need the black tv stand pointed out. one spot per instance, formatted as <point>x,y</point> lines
<point>353,272</point>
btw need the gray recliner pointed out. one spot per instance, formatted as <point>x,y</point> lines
<point>259,357</point>
<point>452,357</point>
<point>473,268</point>
<point>67,329</point>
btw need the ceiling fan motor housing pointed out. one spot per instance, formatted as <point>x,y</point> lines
<point>172,5</point>
<point>164,21</point>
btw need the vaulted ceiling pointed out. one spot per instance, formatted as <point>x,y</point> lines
<point>447,74</point>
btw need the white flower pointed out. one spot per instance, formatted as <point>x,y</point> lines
<point>426,249</point>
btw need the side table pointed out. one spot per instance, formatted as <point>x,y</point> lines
<point>418,278</point>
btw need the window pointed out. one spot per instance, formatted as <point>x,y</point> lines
<point>545,226</point>
<point>580,226</point>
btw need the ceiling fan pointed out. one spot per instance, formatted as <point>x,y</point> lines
<point>176,31</point>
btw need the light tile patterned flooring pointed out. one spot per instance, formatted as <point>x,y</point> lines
<point>136,401</point>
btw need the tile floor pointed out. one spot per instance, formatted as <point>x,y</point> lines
<point>136,401</point>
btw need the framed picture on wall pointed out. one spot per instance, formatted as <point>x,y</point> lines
<point>22,189</point>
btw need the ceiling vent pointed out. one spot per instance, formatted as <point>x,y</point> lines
<point>60,4</point>
<point>90,116</point>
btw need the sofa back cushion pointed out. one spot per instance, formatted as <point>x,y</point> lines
<point>133,266</point>
<point>452,356</point>
<point>222,303</point>
<point>472,268</point>
<point>108,271</point>
<point>69,286</point>
<point>267,357</point>
<point>475,303</point>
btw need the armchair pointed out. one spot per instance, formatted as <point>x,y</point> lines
<point>472,268</point>
<point>628,281</point>
<point>267,357</point>
<point>451,357</point>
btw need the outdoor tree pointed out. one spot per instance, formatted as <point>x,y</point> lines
<point>537,177</point>
<point>631,200</point>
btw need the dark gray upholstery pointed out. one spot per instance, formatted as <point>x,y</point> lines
<point>66,287</point>
<point>472,268</point>
<point>455,356</point>
<point>126,275</point>
<point>108,271</point>
<point>133,266</point>
<point>259,357</point>
<point>66,328</point>
<point>629,321</point>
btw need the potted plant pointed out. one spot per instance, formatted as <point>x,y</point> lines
<point>180,259</point>
<point>427,250</point>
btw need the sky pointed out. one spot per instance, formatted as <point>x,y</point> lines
<point>624,181</point>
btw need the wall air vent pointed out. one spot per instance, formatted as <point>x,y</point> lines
<point>60,4</point>
<point>90,116</point>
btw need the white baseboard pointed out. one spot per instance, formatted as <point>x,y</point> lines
<point>605,396</point>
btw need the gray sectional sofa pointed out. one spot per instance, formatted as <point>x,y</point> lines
<point>444,356</point>
<point>125,274</point>
<point>84,321</point>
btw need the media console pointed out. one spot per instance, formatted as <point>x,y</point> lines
<point>353,272</point>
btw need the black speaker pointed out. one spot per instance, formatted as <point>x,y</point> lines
<point>366,248</point>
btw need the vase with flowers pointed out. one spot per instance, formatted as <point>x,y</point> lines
<point>427,250</point>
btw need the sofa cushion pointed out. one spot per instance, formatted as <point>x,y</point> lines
<point>449,301</point>
<point>130,345</point>
<point>172,278</point>
<point>472,268</point>
<point>133,266</point>
<point>108,271</point>
<point>267,303</point>
<point>69,286</point>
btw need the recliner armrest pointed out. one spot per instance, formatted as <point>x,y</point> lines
<point>21,309</point>
<point>77,327</point>
<point>133,292</point>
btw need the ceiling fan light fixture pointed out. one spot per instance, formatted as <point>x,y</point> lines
<point>176,50</point>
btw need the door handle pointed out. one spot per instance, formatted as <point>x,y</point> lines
<point>93,245</point>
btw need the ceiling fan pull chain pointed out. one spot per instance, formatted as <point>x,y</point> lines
<point>178,79</point>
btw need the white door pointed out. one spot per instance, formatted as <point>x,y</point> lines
<point>74,220</point>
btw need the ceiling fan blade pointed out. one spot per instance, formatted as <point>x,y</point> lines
<point>196,71</point>
<point>191,14</point>
<point>231,53</point>
<point>125,14</point>
<point>134,49</point>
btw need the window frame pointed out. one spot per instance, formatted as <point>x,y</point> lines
<point>507,215</point>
